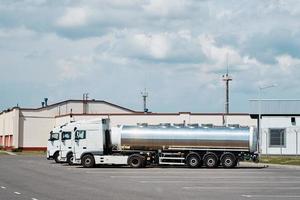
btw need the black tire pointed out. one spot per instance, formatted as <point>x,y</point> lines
<point>70,159</point>
<point>211,160</point>
<point>88,161</point>
<point>55,157</point>
<point>228,160</point>
<point>136,161</point>
<point>193,160</point>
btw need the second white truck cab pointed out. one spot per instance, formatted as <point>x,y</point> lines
<point>67,140</point>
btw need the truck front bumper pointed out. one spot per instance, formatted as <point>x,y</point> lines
<point>49,157</point>
<point>77,161</point>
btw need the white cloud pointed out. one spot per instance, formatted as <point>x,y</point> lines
<point>287,63</point>
<point>18,32</point>
<point>74,17</point>
<point>75,67</point>
<point>157,45</point>
<point>217,54</point>
<point>165,7</point>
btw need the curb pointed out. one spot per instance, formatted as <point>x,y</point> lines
<point>9,153</point>
<point>283,166</point>
<point>265,165</point>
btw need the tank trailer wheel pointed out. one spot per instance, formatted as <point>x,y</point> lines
<point>228,160</point>
<point>55,157</point>
<point>211,160</point>
<point>136,161</point>
<point>193,161</point>
<point>70,159</point>
<point>88,161</point>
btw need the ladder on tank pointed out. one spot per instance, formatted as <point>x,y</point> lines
<point>171,159</point>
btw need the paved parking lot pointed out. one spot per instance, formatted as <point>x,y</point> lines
<point>33,177</point>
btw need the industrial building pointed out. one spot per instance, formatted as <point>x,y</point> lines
<point>279,125</point>
<point>28,128</point>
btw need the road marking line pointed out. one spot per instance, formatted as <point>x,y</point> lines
<point>2,187</point>
<point>239,187</point>
<point>246,195</point>
<point>18,193</point>
<point>271,196</point>
<point>34,199</point>
<point>173,172</point>
<point>210,182</point>
<point>202,178</point>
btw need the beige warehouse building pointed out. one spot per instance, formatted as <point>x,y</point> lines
<point>28,128</point>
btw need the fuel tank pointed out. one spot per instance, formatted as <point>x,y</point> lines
<point>157,137</point>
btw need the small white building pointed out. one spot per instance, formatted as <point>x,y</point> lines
<point>28,128</point>
<point>280,125</point>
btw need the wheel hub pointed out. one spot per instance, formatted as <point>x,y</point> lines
<point>87,161</point>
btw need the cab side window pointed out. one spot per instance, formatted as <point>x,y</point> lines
<point>80,134</point>
<point>66,135</point>
<point>54,136</point>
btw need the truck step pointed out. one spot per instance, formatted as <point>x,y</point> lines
<point>171,158</point>
<point>168,154</point>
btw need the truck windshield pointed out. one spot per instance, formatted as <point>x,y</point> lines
<point>66,136</point>
<point>54,136</point>
<point>80,134</point>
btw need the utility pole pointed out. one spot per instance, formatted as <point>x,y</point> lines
<point>226,79</point>
<point>144,96</point>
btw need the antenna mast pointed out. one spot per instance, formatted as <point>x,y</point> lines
<point>144,96</point>
<point>226,79</point>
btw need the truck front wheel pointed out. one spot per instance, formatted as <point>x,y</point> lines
<point>70,159</point>
<point>88,161</point>
<point>55,157</point>
<point>136,161</point>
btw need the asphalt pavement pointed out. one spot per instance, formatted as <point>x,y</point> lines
<point>35,178</point>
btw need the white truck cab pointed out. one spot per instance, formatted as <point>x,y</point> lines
<point>93,144</point>
<point>54,144</point>
<point>67,140</point>
<point>88,140</point>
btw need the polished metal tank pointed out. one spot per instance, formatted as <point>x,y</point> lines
<point>188,138</point>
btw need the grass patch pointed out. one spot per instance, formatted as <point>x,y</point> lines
<point>31,153</point>
<point>2,153</point>
<point>282,160</point>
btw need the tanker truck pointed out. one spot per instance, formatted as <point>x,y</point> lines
<point>164,144</point>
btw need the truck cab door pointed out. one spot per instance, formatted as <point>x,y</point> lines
<point>53,143</point>
<point>66,145</point>
<point>80,145</point>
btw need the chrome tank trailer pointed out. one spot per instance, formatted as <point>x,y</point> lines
<point>158,137</point>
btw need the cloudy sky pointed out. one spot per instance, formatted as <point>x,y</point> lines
<point>177,49</point>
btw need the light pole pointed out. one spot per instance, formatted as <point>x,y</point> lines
<point>261,88</point>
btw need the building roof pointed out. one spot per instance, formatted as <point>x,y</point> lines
<point>70,101</point>
<point>275,107</point>
<point>114,105</point>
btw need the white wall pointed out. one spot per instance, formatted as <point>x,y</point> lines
<point>9,125</point>
<point>35,131</point>
<point>292,146</point>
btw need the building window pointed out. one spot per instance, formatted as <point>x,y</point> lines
<point>293,121</point>
<point>277,137</point>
